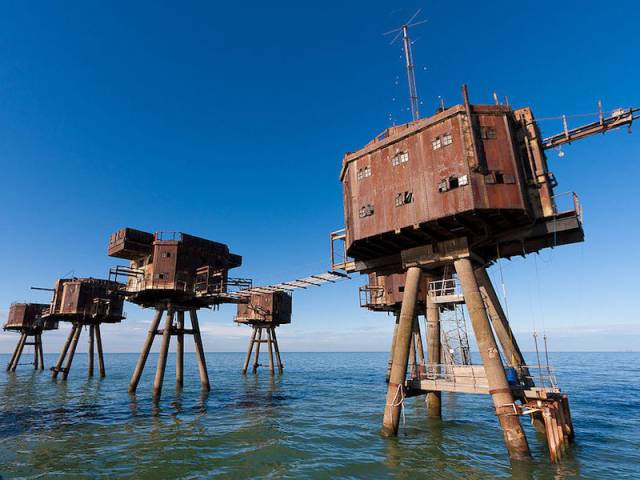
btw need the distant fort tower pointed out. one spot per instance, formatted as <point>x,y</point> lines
<point>26,318</point>
<point>264,312</point>
<point>84,302</point>
<point>438,200</point>
<point>175,273</point>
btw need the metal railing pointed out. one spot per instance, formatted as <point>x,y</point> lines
<point>370,295</point>
<point>164,236</point>
<point>567,202</point>
<point>446,287</point>
<point>339,258</point>
<point>543,376</point>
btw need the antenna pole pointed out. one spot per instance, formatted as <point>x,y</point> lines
<point>411,77</point>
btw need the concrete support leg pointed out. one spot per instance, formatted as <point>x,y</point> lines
<point>144,354</point>
<point>434,345</point>
<point>15,359</point>
<point>162,356</point>
<point>419,347</point>
<point>269,344</point>
<point>40,347</point>
<point>100,352</point>
<point>498,386</point>
<point>499,320</point>
<point>202,363</point>
<point>40,351</point>
<point>63,353</point>
<point>256,354</point>
<point>395,389</point>
<point>249,350</point>
<point>36,354</point>
<point>412,355</point>
<point>180,351</point>
<point>393,343</point>
<point>277,349</point>
<point>72,352</point>
<point>91,352</point>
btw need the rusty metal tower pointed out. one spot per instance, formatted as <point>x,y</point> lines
<point>454,193</point>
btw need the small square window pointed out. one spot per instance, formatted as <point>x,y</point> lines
<point>366,211</point>
<point>403,198</point>
<point>447,139</point>
<point>400,157</point>
<point>488,133</point>
<point>436,143</point>
<point>166,255</point>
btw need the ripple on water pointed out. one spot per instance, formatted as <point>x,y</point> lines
<point>321,419</point>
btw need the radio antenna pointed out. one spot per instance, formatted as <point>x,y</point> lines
<point>403,31</point>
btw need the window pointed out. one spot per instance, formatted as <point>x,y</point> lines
<point>488,133</point>
<point>500,178</point>
<point>366,211</point>
<point>447,139</point>
<point>403,198</point>
<point>400,157</point>
<point>364,172</point>
<point>166,255</point>
<point>436,143</point>
<point>452,182</point>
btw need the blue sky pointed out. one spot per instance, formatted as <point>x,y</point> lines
<point>230,122</point>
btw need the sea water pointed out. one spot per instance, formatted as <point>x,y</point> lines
<point>320,419</point>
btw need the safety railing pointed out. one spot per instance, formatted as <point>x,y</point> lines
<point>446,287</point>
<point>540,375</point>
<point>567,202</point>
<point>165,236</point>
<point>370,295</point>
<point>543,376</point>
<point>339,258</point>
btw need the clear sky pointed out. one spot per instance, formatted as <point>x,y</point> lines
<point>230,122</point>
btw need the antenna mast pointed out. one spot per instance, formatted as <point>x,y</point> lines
<point>411,77</point>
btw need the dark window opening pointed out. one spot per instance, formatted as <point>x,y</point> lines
<point>488,133</point>
<point>366,211</point>
<point>403,198</point>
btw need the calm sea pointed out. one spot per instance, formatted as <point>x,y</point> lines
<point>319,420</point>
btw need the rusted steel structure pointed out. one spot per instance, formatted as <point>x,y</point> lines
<point>266,307</point>
<point>455,192</point>
<point>84,302</point>
<point>174,273</point>
<point>26,318</point>
<point>264,312</point>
